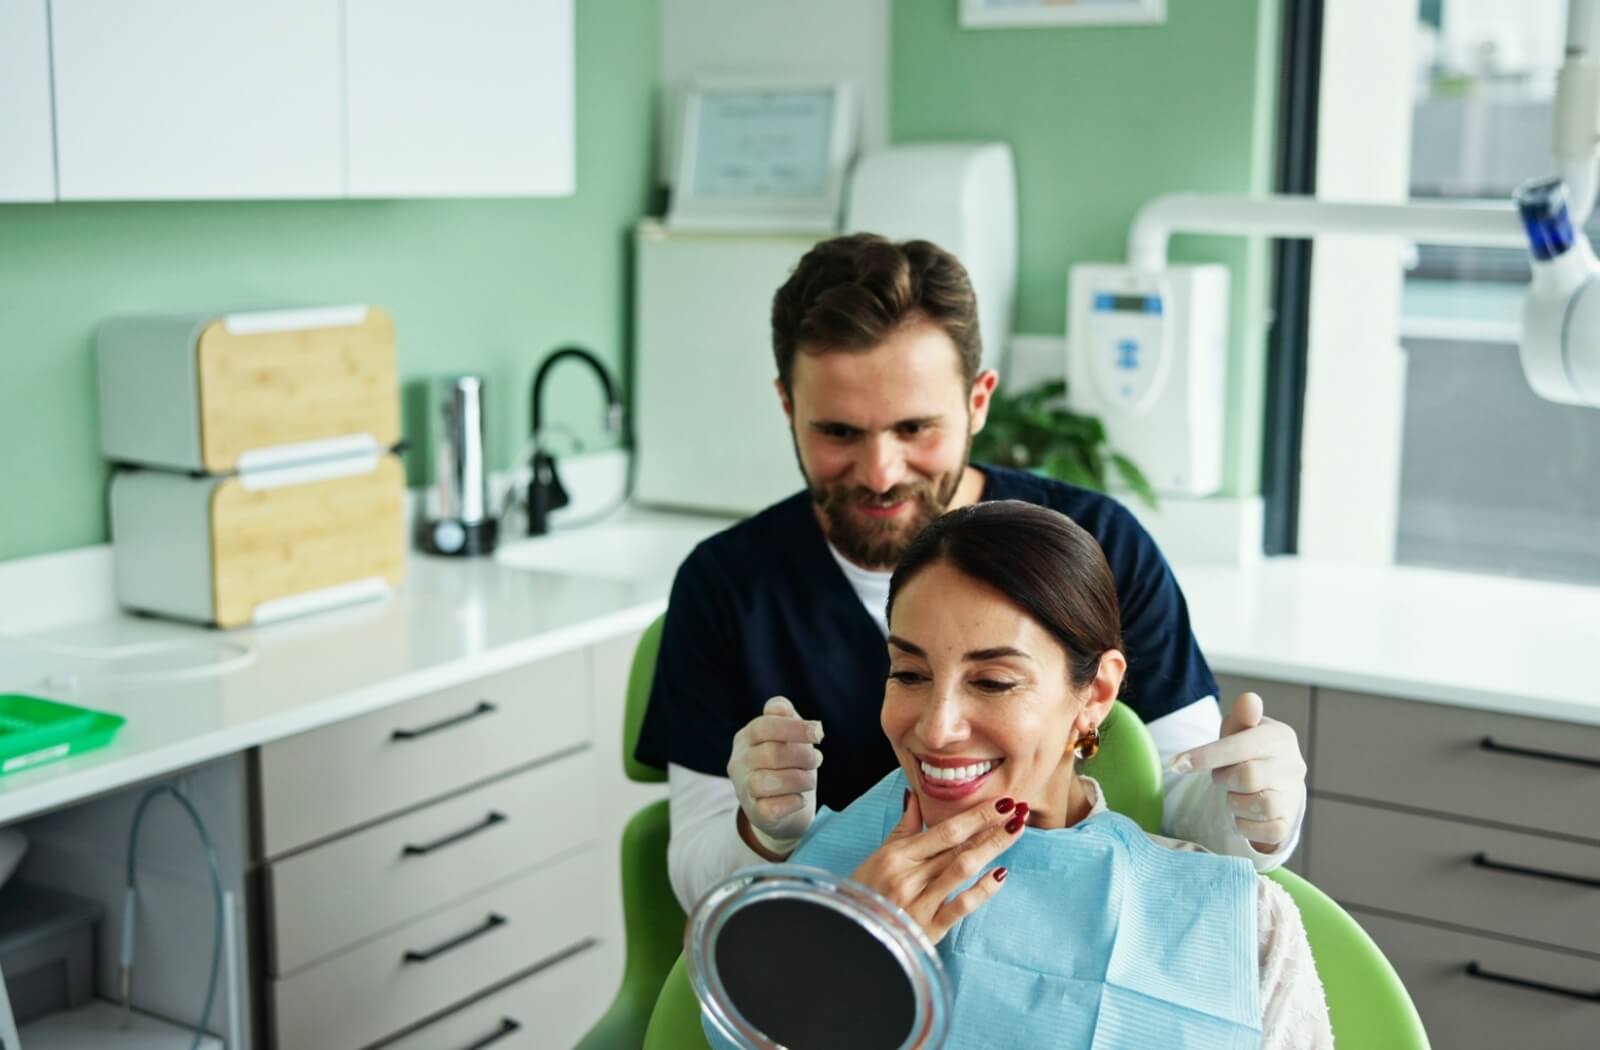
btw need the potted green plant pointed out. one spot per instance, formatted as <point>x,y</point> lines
<point>1033,429</point>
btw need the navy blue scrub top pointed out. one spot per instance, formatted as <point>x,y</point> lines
<point>762,610</point>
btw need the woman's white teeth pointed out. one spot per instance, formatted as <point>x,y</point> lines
<point>933,772</point>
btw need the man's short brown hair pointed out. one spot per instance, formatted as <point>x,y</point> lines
<point>852,292</point>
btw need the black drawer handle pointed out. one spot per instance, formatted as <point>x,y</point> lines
<point>1474,970</point>
<point>507,1026</point>
<point>1488,744</point>
<point>494,817</point>
<point>494,920</point>
<point>484,708</point>
<point>1482,860</point>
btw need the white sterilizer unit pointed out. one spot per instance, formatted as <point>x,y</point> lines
<point>1147,353</point>
<point>962,196</point>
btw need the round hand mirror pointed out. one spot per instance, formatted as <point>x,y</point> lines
<point>785,956</point>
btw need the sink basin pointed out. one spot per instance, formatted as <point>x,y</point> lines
<point>629,549</point>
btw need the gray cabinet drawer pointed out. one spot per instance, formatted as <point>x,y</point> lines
<point>1423,866</point>
<point>330,897</point>
<point>1432,756</point>
<point>403,977</point>
<point>348,774</point>
<point>549,1009</point>
<point>1473,1013</point>
<point>1288,702</point>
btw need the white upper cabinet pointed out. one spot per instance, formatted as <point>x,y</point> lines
<point>195,99</point>
<point>459,98</point>
<point>27,160</point>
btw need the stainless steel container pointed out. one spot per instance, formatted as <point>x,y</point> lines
<point>457,519</point>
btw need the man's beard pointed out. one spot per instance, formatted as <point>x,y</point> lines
<point>878,543</point>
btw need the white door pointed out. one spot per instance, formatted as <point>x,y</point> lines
<point>460,98</point>
<point>196,99</point>
<point>27,162</point>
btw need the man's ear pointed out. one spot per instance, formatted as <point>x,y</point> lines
<point>784,399</point>
<point>979,397</point>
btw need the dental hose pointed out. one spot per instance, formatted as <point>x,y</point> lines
<point>131,896</point>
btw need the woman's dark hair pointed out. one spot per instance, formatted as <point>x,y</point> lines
<point>1042,561</point>
<point>853,292</point>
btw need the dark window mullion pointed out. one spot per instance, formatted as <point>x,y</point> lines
<point>1299,81</point>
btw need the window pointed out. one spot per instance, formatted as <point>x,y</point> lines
<point>1492,479</point>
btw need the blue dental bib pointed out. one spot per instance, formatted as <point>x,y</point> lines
<point>1100,939</point>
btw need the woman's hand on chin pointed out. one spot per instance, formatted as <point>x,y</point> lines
<point>919,869</point>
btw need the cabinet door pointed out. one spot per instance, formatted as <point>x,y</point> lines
<point>195,99</point>
<point>27,164</point>
<point>470,98</point>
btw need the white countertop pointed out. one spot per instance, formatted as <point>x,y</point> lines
<point>454,620</point>
<point>1517,646</point>
<point>1498,644</point>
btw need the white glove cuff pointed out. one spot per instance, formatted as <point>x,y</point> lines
<point>782,847</point>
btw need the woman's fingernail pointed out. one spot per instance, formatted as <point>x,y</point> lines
<point>1022,810</point>
<point>905,803</point>
<point>999,874</point>
<point>1004,805</point>
<point>1014,825</point>
<point>1181,764</point>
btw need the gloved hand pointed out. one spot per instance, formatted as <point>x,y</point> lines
<point>1257,762</point>
<point>774,772</point>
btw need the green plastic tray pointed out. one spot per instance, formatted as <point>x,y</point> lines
<point>35,730</point>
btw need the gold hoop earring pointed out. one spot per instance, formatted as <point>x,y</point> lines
<point>1088,745</point>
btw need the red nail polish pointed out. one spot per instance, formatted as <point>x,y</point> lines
<point>1022,809</point>
<point>1014,825</point>
<point>999,874</point>
<point>1004,805</point>
<point>905,803</point>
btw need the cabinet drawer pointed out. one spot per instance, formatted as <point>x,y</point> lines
<point>396,980</point>
<point>1477,1013</point>
<point>552,1007</point>
<point>327,898</point>
<point>340,777</point>
<point>1435,757</point>
<point>1424,866</point>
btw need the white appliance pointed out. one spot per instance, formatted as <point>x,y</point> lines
<point>709,431</point>
<point>1147,353</point>
<point>962,196</point>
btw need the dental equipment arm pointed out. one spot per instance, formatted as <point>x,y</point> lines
<point>1577,109</point>
<point>1561,343</point>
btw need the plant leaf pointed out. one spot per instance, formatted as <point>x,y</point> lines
<point>1134,478</point>
<point>1064,466</point>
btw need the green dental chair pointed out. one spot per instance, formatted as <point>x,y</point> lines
<point>1367,1004</point>
<point>652,919</point>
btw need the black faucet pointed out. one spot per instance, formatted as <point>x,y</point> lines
<point>545,491</point>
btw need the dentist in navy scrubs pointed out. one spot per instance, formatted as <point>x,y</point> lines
<point>773,660</point>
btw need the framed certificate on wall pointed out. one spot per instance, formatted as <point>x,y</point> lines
<point>996,14</point>
<point>763,155</point>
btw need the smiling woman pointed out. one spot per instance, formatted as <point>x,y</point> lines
<point>1005,657</point>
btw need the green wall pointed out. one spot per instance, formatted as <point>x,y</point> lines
<point>1101,120</point>
<point>488,286</point>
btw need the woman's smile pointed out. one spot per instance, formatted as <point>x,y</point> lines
<point>951,779</point>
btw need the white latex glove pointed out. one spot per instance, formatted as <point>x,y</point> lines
<point>1257,761</point>
<point>774,772</point>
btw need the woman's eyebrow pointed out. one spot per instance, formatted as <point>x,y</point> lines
<point>996,653</point>
<point>901,643</point>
